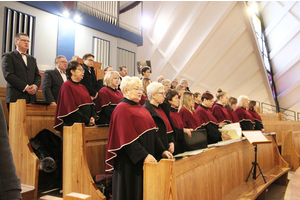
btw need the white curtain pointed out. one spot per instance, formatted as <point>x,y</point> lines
<point>126,58</point>
<point>101,51</point>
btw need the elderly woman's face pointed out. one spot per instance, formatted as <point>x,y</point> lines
<point>115,81</point>
<point>246,103</point>
<point>135,93</point>
<point>167,86</point>
<point>77,74</point>
<point>159,96</point>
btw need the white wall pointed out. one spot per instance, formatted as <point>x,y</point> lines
<point>46,30</point>
<point>45,37</point>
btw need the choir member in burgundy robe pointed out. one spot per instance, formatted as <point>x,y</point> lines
<point>145,82</point>
<point>246,119</point>
<point>160,113</point>
<point>219,111</point>
<point>231,106</point>
<point>197,97</point>
<point>187,112</point>
<point>210,123</point>
<point>108,97</point>
<point>74,103</point>
<point>179,125</point>
<point>257,119</point>
<point>180,89</point>
<point>132,140</point>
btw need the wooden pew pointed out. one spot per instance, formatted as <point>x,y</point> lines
<point>71,196</point>
<point>296,141</point>
<point>288,151</point>
<point>271,117</point>
<point>217,173</point>
<point>292,192</point>
<point>83,158</point>
<point>25,121</point>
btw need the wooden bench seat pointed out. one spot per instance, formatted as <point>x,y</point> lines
<point>288,152</point>
<point>292,192</point>
<point>218,173</point>
<point>71,196</point>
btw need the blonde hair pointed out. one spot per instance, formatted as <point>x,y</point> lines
<point>128,82</point>
<point>220,93</point>
<point>185,101</point>
<point>109,77</point>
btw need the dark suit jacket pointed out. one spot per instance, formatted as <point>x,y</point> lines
<point>89,80</point>
<point>18,75</point>
<point>51,84</point>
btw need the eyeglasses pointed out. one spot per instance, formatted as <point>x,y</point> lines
<point>138,89</point>
<point>163,93</point>
<point>80,69</point>
<point>90,60</point>
<point>22,40</point>
<point>64,62</point>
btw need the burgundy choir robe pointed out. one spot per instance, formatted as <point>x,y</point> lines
<point>210,123</point>
<point>191,119</point>
<point>221,114</point>
<point>106,102</point>
<point>257,120</point>
<point>132,136</point>
<point>246,119</point>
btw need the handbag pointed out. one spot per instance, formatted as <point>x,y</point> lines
<point>197,141</point>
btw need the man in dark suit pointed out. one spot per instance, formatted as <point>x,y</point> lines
<point>53,79</point>
<point>21,72</point>
<point>89,80</point>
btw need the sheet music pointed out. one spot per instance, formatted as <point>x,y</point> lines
<point>235,133</point>
<point>255,137</point>
<point>232,126</point>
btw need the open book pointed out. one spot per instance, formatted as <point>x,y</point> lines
<point>235,133</point>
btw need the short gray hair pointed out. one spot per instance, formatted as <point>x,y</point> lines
<point>165,81</point>
<point>128,82</point>
<point>153,88</point>
<point>183,80</point>
<point>241,100</point>
<point>59,57</point>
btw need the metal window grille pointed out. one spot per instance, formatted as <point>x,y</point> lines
<point>17,22</point>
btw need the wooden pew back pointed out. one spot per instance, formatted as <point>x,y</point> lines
<point>83,157</point>
<point>270,117</point>
<point>288,151</point>
<point>25,122</point>
<point>296,141</point>
<point>218,173</point>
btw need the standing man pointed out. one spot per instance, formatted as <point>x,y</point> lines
<point>53,79</point>
<point>89,79</point>
<point>146,72</point>
<point>122,72</point>
<point>21,72</point>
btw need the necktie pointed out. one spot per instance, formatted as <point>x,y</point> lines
<point>23,54</point>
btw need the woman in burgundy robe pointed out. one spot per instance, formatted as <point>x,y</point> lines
<point>145,82</point>
<point>210,123</point>
<point>74,103</point>
<point>180,126</point>
<point>132,140</point>
<point>219,111</point>
<point>108,97</point>
<point>231,106</point>
<point>246,119</point>
<point>256,117</point>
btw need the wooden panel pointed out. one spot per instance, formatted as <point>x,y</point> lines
<point>292,191</point>
<point>271,116</point>
<point>217,173</point>
<point>76,174</point>
<point>97,66</point>
<point>288,152</point>
<point>296,141</point>
<point>26,120</point>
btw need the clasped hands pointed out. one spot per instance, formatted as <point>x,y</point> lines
<point>31,89</point>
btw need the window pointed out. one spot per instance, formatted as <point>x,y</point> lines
<point>101,51</point>
<point>17,22</point>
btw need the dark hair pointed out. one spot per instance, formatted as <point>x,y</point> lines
<point>196,94</point>
<point>207,95</point>
<point>121,68</point>
<point>220,93</point>
<point>231,101</point>
<point>170,93</point>
<point>144,69</point>
<point>17,36</point>
<point>72,65</point>
<point>87,55</point>
<point>251,105</point>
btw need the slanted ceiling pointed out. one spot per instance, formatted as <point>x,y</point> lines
<point>211,44</point>
<point>282,28</point>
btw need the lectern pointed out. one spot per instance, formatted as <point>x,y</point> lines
<point>255,138</point>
